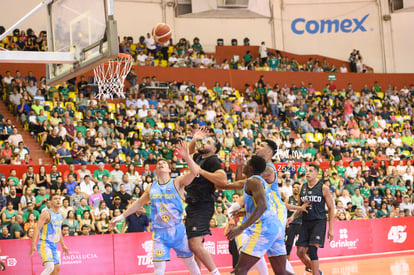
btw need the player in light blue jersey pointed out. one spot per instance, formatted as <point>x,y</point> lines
<point>266,149</point>
<point>263,231</point>
<point>49,229</point>
<point>166,196</point>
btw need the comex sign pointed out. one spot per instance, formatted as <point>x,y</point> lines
<point>300,25</point>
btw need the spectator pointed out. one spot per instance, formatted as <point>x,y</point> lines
<point>16,230</point>
<point>8,214</point>
<point>76,197</point>
<point>87,186</point>
<point>103,226</point>
<point>65,230</point>
<point>100,172</point>
<point>101,209</point>
<point>116,205</point>
<point>82,208</point>
<point>72,223</point>
<point>85,230</point>
<point>15,137</point>
<point>30,223</point>
<point>356,199</point>
<point>71,185</point>
<point>41,199</point>
<point>58,185</point>
<point>116,176</point>
<point>136,223</point>
<point>119,226</point>
<point>220,217</point>
<point>5,233</point>
<point>65,208</point>
<point>406,204</point>
<point>95,198</point>
<point>108,195</point>
<point>14,199</point>
<point>87,219</point>
<point>30,210</point>
<point>124,196</point>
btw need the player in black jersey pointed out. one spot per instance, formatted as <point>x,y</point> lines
<point>313,229</point>
<point>293,229</point>
<point>200,194</point>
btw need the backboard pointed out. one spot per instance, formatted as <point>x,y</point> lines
<point>85,28</point>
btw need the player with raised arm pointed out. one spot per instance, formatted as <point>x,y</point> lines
<point>200,194</point>
<point>49,230</point>
<point>267,149</point>
<point>263,231</point>
<point>313,229</point>
<point>166,195</point>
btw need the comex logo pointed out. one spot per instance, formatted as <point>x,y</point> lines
<point>397,234</point>
<point>343,240</point>
<point>300,25</point>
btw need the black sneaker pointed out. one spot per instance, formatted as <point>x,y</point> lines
<point>308,269</point>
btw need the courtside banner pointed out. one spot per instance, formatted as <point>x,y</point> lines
<point>358,237</point>
<point>133,252</point>
<point>88,255</point>
<point>15,253</point>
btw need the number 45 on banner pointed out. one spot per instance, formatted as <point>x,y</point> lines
<point>397,234</point>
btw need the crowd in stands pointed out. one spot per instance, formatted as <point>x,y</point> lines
<point>91,198</point>
<point>21,40</point>
<point>147,52</point>
<point>337,124</point>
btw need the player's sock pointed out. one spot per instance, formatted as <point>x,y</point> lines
<point>261,267</point>
<point>215,272</point>
<point>159,268</point>
<point>192,266</point>
<point>289,267</point>
<point>49,267</point>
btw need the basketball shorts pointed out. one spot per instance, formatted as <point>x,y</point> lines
<point>198,218</point>
<point>48,252</point>
<point>312,232</point>
<point>260,240</point>
<point>172,238</point>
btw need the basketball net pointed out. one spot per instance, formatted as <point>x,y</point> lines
<point>110,76</point>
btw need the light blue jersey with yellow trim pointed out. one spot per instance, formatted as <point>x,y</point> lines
<point>50,232</point>
<point>274,188</point>
<point>166,205</point>
<point>269,216</point>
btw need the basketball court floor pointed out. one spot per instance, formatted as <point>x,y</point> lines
<point>398,263</point>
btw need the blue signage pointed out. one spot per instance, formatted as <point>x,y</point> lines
<point>348,25</point>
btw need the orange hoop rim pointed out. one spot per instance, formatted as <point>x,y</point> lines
<point>124,55</point>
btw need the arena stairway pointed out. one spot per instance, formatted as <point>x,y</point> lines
<point>38,155</point>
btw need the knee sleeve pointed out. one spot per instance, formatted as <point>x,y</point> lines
<point>49,267</point>
<point>192,266</point>
<point>159,268</point>
<point>313,253</point>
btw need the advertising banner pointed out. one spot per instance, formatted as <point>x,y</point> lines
<point>15,253</point>
<point>88,255</point>
<point>131,253</point>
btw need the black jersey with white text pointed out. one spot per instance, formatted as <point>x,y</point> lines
<point>316,210</point>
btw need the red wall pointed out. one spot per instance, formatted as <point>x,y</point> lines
<point>21,169</point>
<point>239,78</point>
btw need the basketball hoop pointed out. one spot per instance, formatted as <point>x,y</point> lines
<point>110,76</point>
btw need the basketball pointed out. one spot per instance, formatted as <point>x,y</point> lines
<point>161,33</point>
